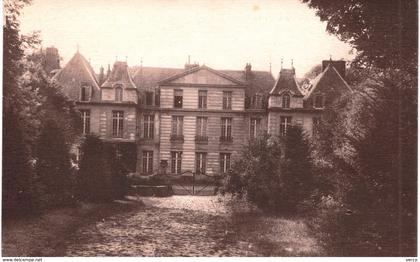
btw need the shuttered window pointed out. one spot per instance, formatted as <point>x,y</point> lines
<point>227,100</point>
<point>226,128</point>
<point>200,163</point>
<point>285,122</point>
<point>224,162</point>
<point>202,99</point>
<point>254,128</point>
<point>86,121</point>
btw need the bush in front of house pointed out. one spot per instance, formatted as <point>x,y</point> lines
<point>95,177</point>
<point>274,173</point>
<point>54,182</point>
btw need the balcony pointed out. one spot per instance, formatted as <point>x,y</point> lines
<point>226,139</point>
<point>201,140</point>
<point>177,138</point>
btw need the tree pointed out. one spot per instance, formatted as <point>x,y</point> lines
<point>383,32</point>
<point>53,167</point>
<point>95,178</point>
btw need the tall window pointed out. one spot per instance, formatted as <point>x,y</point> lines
<point>285,122</point>
<point>316,121</point>
<point>201,128</point>
<point>177,126</point>
<point>149,124</point>
<point>224,162</point>
<point>202,99</point>
<point>200,163</point>
<point>118,94</point>
<point>254,128</point>
<point>318,101</point>
<point>286,101</point>
<point>84,93</point>
<point>149,98</point>
<point>176,162</point>
<point>86,121</point>
<point>117,123</point>
<point>178,98</point>
<point>226,128</point>
<point>256,101</point>
<point>147,162</point>
<point>227,99</point>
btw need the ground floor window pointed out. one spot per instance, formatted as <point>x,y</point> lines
<point>224,162</point>
<point>176,162</point>
<point>147,162</point>
<point>200,163</point>
<point>316,121</point>
<point>285,122</point>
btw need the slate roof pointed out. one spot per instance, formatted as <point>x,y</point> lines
<point>147,78</point>
<point>329,77</point>
<point>286,82</point>
<point>119,75</point>
<point>77,71</point>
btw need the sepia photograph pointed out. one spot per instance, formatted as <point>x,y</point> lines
<point>209,128</point>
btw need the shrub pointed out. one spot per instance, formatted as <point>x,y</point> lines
<point>95,177</point>
<point>53,167</point>
<point>273,173</point>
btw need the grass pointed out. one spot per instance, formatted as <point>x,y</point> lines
<point>43,235</point>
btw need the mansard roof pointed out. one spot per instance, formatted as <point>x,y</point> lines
<point>119,76</point>
<point>328,78</point>
<point>147,78</point>
<point>286,82</point>
<point>77,71</point>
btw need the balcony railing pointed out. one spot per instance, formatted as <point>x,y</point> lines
<point>201,139</point>
<point>226,139</point>
<point>177,138</point>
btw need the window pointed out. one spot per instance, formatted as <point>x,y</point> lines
<point>177,127</point>
<point>149,124</point>
<point>86,121</point>
<point>316,121</point>
<point>285,101</point>
<point>117,123</point>
<point>157,98</point>
<point>227,99</point>
<point>178,98</point>
<point>147,162</point>
<point>224,162</point>
<point>176,162</point>
<point>85,93</point>
<point>201,128</point>
<point>254,128</point>
<point>318,101</point>
<point>200,163</point>
<point>149,98</point>
<point>202,99</point>
<point>285,122</point>
<point>226,127</point>
<point>118,94</point>
<point>256,101</point>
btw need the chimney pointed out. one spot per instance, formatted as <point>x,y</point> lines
<point>339,65</point>
<point>189,66</point>
<point>248,71</point>
<point>108,72</point>
<point>101,76</point>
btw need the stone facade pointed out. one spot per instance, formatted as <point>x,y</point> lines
<point>196,118</point>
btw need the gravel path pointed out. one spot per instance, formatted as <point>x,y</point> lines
<point>173,226</point>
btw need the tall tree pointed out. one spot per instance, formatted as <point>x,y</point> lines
<point>384,32</point>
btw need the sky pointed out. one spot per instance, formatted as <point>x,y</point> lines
<point>221,34</point>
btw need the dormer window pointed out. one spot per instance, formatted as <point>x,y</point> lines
<point>318,101</point>
<point>285,101</point>
<point>256,101</point>
<point>118,94</point>
<point>85,93</point>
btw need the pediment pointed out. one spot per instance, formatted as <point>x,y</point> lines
<point>202,76</point>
